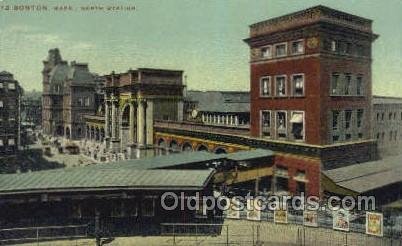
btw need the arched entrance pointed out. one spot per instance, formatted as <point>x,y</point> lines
<point>68,133</point>
<point>202,148</point>
<point>220,150</point>
<point>187,147</point>
<point>174,146</point>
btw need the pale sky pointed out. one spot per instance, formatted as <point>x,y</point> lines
<point>201,37</point>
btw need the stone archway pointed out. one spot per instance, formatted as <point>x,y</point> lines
<point>97,134</point>
<point>202,147</point>
<point>220,150</point>
<point>68,132</point>
<point>102,134</point>
<point>60,131</point>
<point>92,133</point>
<point>174,146</point>
<point>187,147</point>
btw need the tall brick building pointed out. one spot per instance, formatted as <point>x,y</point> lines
<point>10,97</point>
<point>311,91</point>
<point>68,94</point>
<point>311,77</point>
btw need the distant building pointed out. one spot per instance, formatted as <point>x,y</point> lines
<point>224,108</point>
<point>31,109</point>
<point>68,94</point>
<point>387,124</point>
<point>10,127</point>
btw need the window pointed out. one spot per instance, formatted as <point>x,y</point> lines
<point>334,46</point>
<point>390,136</point>
<point>1,104</point>
<point>360,50</point>
<point>265,123</point>
<point>297,122</point>
<point>382,116</point>
<point>300,187</point>
<point>266,52</point>
<point>11,142</point>
<point>348,118</point>
<point>280,50</point>
<point>390,116</point>
<point>359,85</point>
<point>334,84</point>
<point>281,124</point>
<point>378,135</point>
<point>335,138</point>
<point>282,179</point>
<point>348,84</point>
<point>280,85</point>
<point>298,84</point>
<point>343,47</point>
<point>11,86</point>
<point>1,142</point>
<point>335,119</point>
<point>87,101</point>
<point>348,48</point>
<point>359,118</point>
<point>80,103</point>
<point>265,86</point>
<point>348,136</point>
<point>298,47</point>
<point>378,116</point>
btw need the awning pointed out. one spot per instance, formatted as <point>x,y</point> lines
<point>297,118</point>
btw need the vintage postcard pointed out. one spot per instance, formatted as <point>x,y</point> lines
<point>188,122</point>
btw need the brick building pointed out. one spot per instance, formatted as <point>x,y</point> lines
<point>68,94</point>
<point>10,125</point>
<point>311,88</point>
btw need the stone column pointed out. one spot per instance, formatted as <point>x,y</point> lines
<point>150,123</point>
<point>180,110</point>
<point>140,124</point>
<point>114,121</point>
<point>236,120</point>
<point>132,123</point>
<point>107,119</point>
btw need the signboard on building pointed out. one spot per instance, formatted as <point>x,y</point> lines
<point>310,218</point>
<point>253,210</point>
<point>281,216</point>
<point>374,224</point>
<point>340,220</point>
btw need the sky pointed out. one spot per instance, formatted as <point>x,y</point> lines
<point>201,37</point>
